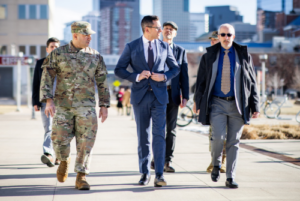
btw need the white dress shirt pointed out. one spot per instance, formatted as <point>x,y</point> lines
<point>146,46</point>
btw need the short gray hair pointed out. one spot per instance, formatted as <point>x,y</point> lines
<point>229,26</point>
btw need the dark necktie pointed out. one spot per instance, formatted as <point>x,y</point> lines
<point>150,56</point>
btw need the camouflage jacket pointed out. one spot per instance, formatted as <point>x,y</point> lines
<point>76,71</point>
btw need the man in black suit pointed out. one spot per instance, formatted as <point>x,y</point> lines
<point>48,156</point>
<point>178,91</point>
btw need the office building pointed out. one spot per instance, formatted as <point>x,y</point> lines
<point>199,24</point>
<point>98,5</point>
<point>177,11</point>
<point>25,26</point>
<point>222,14</point>
<point>115,28</point>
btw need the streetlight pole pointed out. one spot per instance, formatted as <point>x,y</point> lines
<point>263,58</point>
<point>19,81</point>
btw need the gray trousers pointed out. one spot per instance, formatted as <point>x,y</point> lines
<point>224,113</point>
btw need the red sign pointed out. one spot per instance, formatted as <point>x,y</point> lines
<point>11,61</point>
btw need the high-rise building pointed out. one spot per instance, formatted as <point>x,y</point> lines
<point>93,18</point>
<point>222,14</point>
<point>199,24</point>
<point>177,11</point>
<point>115,28</point>
<point>243,31</point>
<point>135,14</point>
<point>26,26</point>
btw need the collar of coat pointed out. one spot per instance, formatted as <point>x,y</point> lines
<point>241,51</point>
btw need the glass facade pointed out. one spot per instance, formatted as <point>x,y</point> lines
<point>32,50</point>
<point>22,12</point>
<point>22,48</point>
<point>43,12</point>
<point>3,12</point>
<point>43,51</point>
<point>275,5</point>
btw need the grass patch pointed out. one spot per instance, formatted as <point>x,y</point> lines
<point>284,131</point>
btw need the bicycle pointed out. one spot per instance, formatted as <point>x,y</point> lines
<point>273,110</point>
<point>186,115</point>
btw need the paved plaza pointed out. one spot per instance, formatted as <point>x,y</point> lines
<point>114,171</point>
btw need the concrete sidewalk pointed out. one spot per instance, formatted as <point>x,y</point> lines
<point>114,172</point>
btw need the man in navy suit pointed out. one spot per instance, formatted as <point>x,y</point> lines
<point>178,86</point>
<point>147,56</point>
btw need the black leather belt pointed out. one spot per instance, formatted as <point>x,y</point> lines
<point>168,87</point>
<point>229,98</point>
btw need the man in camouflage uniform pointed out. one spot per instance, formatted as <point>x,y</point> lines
<point>77,67</point>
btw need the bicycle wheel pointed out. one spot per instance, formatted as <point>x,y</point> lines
<point>272,111</point>
<point>185,116</point>
<point>298,117</point>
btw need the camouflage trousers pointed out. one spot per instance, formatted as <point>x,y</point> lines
<point>209,139</point>
<point>81,123</point>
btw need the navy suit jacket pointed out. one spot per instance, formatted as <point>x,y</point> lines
<point>181,81</point>
<point>36,83</point>
<point>133,55</point>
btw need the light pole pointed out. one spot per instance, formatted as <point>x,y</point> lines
<point>19,81</point>
<point>263,58</point>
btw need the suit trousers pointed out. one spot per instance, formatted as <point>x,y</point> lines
<point>225,113</point>
<point>150,108</point>
<point>171,119</point>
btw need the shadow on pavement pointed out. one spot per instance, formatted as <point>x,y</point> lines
<point>43,190</point>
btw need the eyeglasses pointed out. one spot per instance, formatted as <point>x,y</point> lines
<point>224,34</point>
<point>157,28</point>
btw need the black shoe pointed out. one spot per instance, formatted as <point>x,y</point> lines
<point>160,181</point>
<point>231,184</point>
<point>168,167</point>
<point>145,178</point>
<point>152,166</point>
<point>215,174</point>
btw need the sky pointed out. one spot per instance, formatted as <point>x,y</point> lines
<point>70,10</point>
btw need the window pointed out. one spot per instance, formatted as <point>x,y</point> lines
<point>3,50</point>
<point>32,12</point>
<point>22,12</point>
<point>3,12</point>
<point>43,51</point>
<point>43,12</point>
<point>22,48</point>
<point>32,50</point>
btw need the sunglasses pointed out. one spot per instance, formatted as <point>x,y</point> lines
<point>223,34</point>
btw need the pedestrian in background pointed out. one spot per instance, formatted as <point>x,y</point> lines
<point>119,97</point>
<point>126,101</point>
<point>48,156</point>
<point>76,66</point>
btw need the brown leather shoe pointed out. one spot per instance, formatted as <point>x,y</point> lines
<point>48,160</point>
<point>62,170</point>
<point>81,183</point>
<point>57,162</point>
<point>168,167</point>
<point>223,166</point>
<point>210,168</point>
